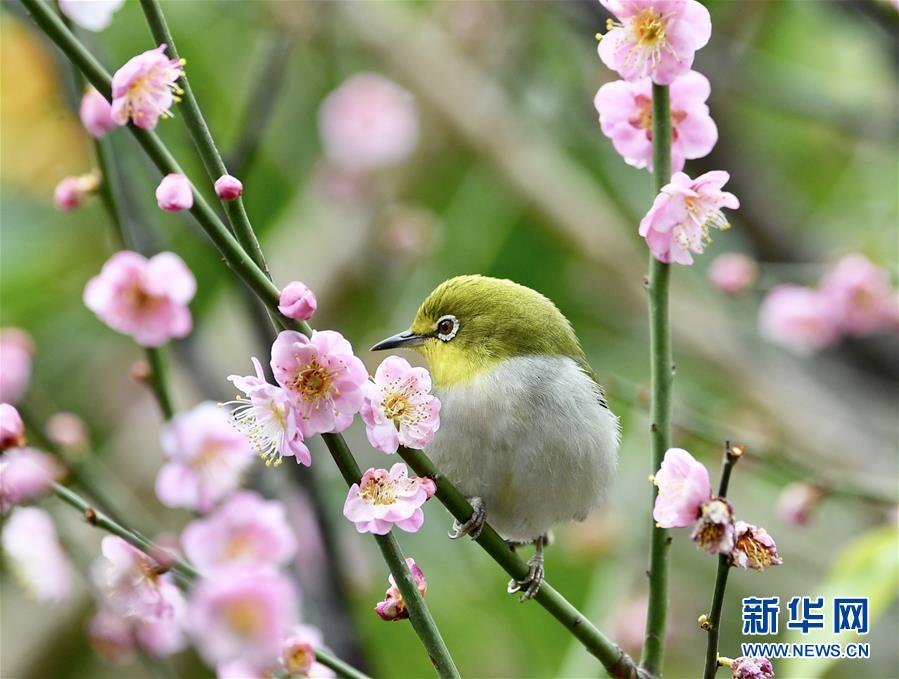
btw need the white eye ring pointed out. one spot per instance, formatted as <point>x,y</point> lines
<point>447,336</point>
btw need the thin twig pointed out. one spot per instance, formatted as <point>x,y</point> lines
<point>343,669</point>
<point>712,622</point>
<point>662,375</point>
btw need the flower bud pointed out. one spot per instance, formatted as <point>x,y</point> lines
<point>297,301</point>
<point>751,668</point>
<point>174,193</point>
<point>228,187</point>
<point>96,113</point>
<point>12,429</point>
<point>733,273</point>
<point>796,502</point>
<point>67,430</point>
<point>71,191</point>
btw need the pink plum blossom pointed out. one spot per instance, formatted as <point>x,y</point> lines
<point>393,607</point>
<point>682,214</point>
<point>26,475</point>
<point>15,364</point>
<point>245,530</point>
<point>94,15</point>
<point>144,89</point>
<point>111,636</point>
<point>746,667</point>
<point>12,429</point>
<point>383,499</point>
<point>398,407</point>
<point>164,637</point>
<point>35,555</point>
<point>796,502</point>
<point>174,193</point>
<point>798,318</point>
<point>714,532</point>
<point>733,273</point>
<point>655,38</point>
<point>95,113</point>
<point>298,653</point>
<point>265,416</point>
<point>753,548</point>
<point>625,116</point>
<point>863,299</point>
<point>322,378</point>
<point>368,123</point>
<point>67,430</point>
<point>684,487</point>
<point>132,584</point>
<point>206,459</point>
<point>241,615</point>
<point>297,301</point>
<point>228,187</point>
<point>71,192</point>
<point>144,298</point>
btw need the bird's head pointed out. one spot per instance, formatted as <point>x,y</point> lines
<point>469,324</point>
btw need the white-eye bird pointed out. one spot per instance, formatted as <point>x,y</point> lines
<point>525,432</point>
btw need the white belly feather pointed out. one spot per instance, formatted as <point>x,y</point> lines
<point>532,440</point>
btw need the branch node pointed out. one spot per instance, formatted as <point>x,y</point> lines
<point>90,515</point>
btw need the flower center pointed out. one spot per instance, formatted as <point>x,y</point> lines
<point>313,382</point>
<point>239,545</point>
<point>139,301</point>
<point>649,28</point>
<point>395,406</point>
<point>299,659</point>
<point>642,118</point>
<point>758,556</point>
<point>244,617</point>
<point>378,490</point>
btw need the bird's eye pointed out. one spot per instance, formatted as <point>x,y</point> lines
<point>447,327</point>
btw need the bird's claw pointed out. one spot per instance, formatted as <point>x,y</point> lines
<point>530,584</point>
<point>475,523</point>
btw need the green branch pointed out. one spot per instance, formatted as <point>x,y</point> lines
<point>712,622</point>
<point>342,668</point>
<point>662,374</point>
<point>202,137</point>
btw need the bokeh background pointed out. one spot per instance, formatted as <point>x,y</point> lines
<point>511,178</point>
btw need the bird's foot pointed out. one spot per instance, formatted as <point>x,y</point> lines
<point>530,584</point>
<point>475,523</point>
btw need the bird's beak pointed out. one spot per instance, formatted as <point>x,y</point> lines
<point>403,339</point>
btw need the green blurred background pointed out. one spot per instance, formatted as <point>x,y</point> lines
<point>512,178</point>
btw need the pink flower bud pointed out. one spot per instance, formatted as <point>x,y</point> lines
<point>297,301</point>
<point>67,430</point>
<point>751,668</point>
<point>796,502</point>
<point>71,191</point>
<point>174,193</point>
<point>96,113</point>
<point>12,429</point>
<point>393,607</point>
<point>733,273</point>
<point>16,349</point>
<point>228,187</point>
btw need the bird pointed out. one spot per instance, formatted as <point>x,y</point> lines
<point>526,433</point>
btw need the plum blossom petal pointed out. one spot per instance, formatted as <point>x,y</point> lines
<point>297,301</point>
<point>683,488</point>
<point>16,350</point>
<point>245,530</point>
<point>174,193</point>
<point>12,429</point>
<point>798,318</point>
<point>206,459</point>
<point>860,292</point>
<point>733,273</point>
<point>95,113</point>
<point>398,409</point>
<point>241,614</point>
<point>368,123</point>
<point>111,636</point>
<point>682,214</point>
<point>753,548</point>
<point>383,499</point>
<point>322,379</point>
<point>132,584</point>
<point>94,15</point>
<point>654,38</point>
<point>35,555</point>
<point>393,607</point>
<point>144,89</point>
<point>26,475</point>
<point>267,418</point>
<point>625,117</point>
<point>146,299</point>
